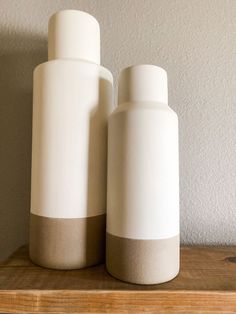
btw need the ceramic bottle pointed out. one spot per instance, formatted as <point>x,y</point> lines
<point>143,180</point>
<point>72,98</point>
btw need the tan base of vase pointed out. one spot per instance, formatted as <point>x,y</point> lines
<point>142,261</point>
<point>69,243</point>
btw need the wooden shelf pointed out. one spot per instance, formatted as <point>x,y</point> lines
<point>206,284</point>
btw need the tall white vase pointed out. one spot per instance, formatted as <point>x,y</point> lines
<point>143,180</point>
<point>71,102</point>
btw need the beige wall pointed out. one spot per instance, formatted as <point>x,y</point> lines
<point>194,40</point>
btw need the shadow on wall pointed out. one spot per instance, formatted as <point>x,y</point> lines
<point>19,54</point>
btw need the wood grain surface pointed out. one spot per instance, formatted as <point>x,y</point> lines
<point>206,284</point>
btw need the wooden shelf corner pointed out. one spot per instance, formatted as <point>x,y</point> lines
<point>206,284</point>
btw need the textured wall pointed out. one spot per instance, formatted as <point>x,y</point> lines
<point>194,40</point>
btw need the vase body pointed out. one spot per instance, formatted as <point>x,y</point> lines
<point>143,181</point>
<point>72,99</point>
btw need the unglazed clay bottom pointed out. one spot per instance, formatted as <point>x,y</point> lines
<point>142,261</point>
<point>67,243</point>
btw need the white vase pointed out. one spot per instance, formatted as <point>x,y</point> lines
<point>143,180</point>
<point>71,102</point>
